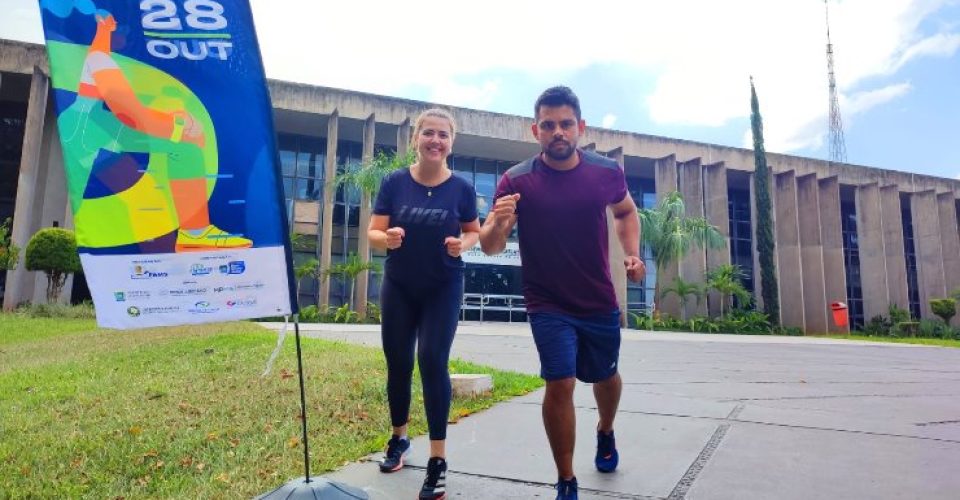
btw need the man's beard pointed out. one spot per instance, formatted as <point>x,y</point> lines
<point>562,153</point>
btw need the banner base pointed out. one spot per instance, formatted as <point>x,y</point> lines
<point>316,488</point>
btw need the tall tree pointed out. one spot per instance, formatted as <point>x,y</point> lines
<point>670,234</point>
<point>764,234</point>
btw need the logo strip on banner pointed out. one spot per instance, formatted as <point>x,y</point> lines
<point>167,134</point>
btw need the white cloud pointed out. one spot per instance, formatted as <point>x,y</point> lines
<point>701,52</point>
<point>472,96</point>
<point>609,120</point>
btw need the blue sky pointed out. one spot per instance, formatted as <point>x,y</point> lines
<point>677,69</point>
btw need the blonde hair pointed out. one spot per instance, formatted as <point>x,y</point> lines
<point>436,113</point>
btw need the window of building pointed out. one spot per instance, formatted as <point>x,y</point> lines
<point>741,236</point>
<point>640,296</point>
<point>851,261</point>
<point>909,250</point>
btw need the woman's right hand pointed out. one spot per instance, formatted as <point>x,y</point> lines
<point>394,237</point>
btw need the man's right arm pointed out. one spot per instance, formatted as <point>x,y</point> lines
<point>499,224</point>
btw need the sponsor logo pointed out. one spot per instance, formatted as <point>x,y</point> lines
<point>200,270</point>
<point>185,292</point>
<point>131,295</point>
<point>222,289</point>
<point>139,272</point>
<point>160,310</point>
<point>233,267</point>
<point>133,311</point>
<point>203,307</point>
<point>241,303</point>
<point>250,286</point>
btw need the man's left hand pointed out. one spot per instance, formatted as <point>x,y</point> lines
<point>635,268</point>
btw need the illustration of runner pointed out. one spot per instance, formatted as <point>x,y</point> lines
<point>108,119</point>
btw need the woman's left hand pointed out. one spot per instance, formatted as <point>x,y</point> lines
<point>454,246</point>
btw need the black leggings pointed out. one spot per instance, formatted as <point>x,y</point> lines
<point>425,317</point>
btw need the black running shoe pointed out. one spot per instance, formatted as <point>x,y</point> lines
<point>435,485</point>
<point>397,450</point>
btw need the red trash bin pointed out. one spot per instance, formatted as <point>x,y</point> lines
<point>840,316</point>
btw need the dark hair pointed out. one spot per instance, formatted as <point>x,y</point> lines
<point>555,97</point>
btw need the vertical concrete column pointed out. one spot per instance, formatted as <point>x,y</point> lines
<point>949,240</point>
<point>831,237</point>
<point>717,213</point>
<point>896,259</point>
<point>811,254</point>
<point>326,216</point>
<point>789,262</point>
<point>694,264</point>
<point>363,243</point>
<point>52,199</point>
<point>665,171</point>
<point>926,238</point>
<point>873,273</point>
<point>403,137</point>
<point>617,272</point>
<point>26,215</point>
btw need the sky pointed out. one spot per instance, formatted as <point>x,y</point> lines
<point>678,68</point>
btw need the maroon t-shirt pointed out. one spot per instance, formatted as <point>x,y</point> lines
<point>561,219</point>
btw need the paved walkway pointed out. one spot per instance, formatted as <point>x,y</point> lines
<point>710,417</point>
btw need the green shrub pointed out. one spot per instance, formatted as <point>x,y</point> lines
<point>933,329</point>
<point>53,250</point>
<point>944,308</point>
<point>310,314</point>
<point>9,253</point>
<point>878,326</point>
<point>373,313</point>
<point>79,311</point>
<point>897,314</point>
<point>905,329</point>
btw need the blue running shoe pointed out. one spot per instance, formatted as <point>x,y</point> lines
<point>607,456</point>
<point>567,489</point>
<point>397,450</point>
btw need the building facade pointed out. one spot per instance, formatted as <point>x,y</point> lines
<point>844,233</point>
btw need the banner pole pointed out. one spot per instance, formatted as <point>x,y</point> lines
<point>303,400</point>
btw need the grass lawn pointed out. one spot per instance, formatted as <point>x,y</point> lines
<point>183,412</point>
<point>901,340</point>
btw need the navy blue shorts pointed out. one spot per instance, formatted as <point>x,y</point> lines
<point>585,347</point>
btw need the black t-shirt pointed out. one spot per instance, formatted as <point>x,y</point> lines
<point>428,216</point>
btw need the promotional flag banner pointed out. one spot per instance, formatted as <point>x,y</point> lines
<point>168,144</point>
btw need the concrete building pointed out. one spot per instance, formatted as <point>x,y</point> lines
<point>864,236</point>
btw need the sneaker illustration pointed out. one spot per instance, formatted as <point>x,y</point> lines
<point>211,238</point>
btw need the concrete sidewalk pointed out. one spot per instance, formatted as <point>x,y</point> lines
<point>709,417</point>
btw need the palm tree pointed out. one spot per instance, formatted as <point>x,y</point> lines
<point>366,178</point>
<point>349,270</point>
<point>305,269</point>
<point>671,234</point>
<point>725,279</point>
<point>683,289</point>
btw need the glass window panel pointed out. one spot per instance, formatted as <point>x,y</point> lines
<point>468,176</point>
<point>308,189</point>
<point>288,160</point>
<point>304,165</point>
